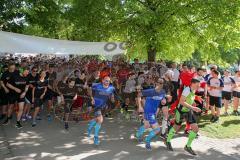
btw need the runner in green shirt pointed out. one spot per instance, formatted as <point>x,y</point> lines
<point>185,110</point>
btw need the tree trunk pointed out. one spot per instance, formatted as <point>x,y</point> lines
<point>152,54</point>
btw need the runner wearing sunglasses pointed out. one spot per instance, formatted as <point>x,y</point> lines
<point>155,99</point>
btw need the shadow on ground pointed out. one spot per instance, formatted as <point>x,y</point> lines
<point>231,122</point>
<point>49,141</point>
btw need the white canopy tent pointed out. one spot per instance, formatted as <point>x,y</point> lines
<point>19,43</point>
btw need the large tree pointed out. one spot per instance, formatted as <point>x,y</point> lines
<point>159,28</point>
<point>176,28</point>
<point>167,29</point>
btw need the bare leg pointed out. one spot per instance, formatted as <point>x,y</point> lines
<point>20,111</point>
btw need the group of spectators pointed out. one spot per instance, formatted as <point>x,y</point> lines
<point>28,84</point>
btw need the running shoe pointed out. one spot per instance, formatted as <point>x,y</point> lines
<point>236,113</point>
<point>66,126</point>
<point>212,119</point>
<point>106,115</point>
<point>24,118</point>
<point>168,145</point>
<point>148,146</point>
<point>226,114</point>
<point>29,117</point>
<point>216,119</point>
<point>34,124</point>
<point>39,118</point>
<point>189,150</point>
<point>18,125</point>
<point>6,122</point>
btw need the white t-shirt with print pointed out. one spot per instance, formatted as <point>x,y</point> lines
<point>215,82</point>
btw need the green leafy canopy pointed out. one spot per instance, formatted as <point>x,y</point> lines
<point>161,29</point>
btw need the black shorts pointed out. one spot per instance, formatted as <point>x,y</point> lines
<point>190,117</point>
<point>226,95</point>
<point>236,94</point>
<point>3,98</point>
<point>50,94</point>
<point>215,101</point>
<point>176,85</point>
<point>97,112</point>
<point>200,94</point>
<point>38,102</point>
<point>15,98</point>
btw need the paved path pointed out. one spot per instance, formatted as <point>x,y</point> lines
<point>49,141</point>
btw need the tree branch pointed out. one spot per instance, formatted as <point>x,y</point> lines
<point>192,22</point>
<point>194,29</point>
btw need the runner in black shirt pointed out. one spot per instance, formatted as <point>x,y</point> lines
<point>68,95</point>
<point>51,76</point>
<point>32,78</point>
<point>4,79</point>
<point>38,92</point>
<point>62,84</point>
<point>18,87</point>
<point>3,98</point>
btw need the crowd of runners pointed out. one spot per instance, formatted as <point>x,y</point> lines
<point>180,92</point>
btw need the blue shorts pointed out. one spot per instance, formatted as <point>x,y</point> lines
<point>151,118</point>
<point>97,112</point>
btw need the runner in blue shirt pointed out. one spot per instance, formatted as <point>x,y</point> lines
<point>155,98</point>
<point>103,94</point>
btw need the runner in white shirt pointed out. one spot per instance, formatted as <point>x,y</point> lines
<point>215,86</point>
<point>227,90</point>
<point>236,93</point>
<point>206,78</point>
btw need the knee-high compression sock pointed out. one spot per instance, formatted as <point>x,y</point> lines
<point>97,129</point>
<point>152,134</point>
<point>140,131</point>
<point>192,135</point>
<point>164,125</point>
<point>171,134</point>
<point>91,124</point>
